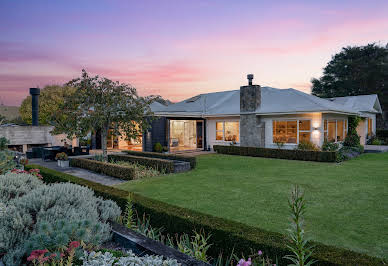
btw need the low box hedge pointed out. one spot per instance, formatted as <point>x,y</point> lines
<point>319,156</point>
<point>226,235</point>
<point>52,176</point>
<point>109,169</point>
<point>161,165</point>
<point>191,159</point>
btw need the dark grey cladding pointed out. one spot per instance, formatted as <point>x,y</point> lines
<point>35,105</point>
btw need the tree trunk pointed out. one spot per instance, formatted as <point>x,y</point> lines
<point>104,133</point>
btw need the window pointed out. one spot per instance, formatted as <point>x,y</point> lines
<point>335,130</point>
<point>370,126</point>
<point>228,131</point>
<point>291,131</point>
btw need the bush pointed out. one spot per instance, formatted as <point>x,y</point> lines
<point>382,135</point>
<point>14,185</point>
<point>352,139</point>
<point>61,156</point>
<point>141,171</point>
<point>109,193</point>
<point>346,153</point>
<point>158,147</point>
<point>191,159</point>
<point>6,161</point>
<point>330,146</point>
<point>3,143</point>
<point>48,204</point>
<point>306,145</point>
<point>106,168</point>
<point>162,165</point>
<point>320,156</point>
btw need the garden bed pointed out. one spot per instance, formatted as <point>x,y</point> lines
<point>162,165</point>
<point>302,155</point>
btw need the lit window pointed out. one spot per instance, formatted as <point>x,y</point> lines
<point>228,131</point>
<point>335,130</point>
<point>285,131</point>
<point>370,133</point>
<point>304,130</point>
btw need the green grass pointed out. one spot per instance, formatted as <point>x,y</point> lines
<point>347,203</point>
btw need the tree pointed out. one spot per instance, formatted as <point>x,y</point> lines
<point>355,70</point>
<point>50,100</point>
<point>3,120</point>
<point>100,103</point>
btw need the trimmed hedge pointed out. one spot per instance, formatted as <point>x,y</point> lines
<point>106,192</point>
<point>191,159</point>
<point>109,169</point>
<point>319,156</point>
<point>161,165</point>
<point>226,235</point>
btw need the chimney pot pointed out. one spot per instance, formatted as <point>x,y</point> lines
<point>250,78</point>
<point>35,105</point>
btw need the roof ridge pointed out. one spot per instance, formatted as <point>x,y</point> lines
<point>307,96</point>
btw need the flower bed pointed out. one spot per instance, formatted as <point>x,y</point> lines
<point>303,155</point>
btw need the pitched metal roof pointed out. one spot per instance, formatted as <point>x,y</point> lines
<point>361,103</point>
<point>273,101</point>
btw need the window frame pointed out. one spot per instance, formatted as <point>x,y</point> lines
<point>223,130</point>
<point>297,129</point>
<point>326,131</point>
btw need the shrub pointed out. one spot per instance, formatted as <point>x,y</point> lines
<point>191,159</point>
<point>108,259</point>
<point>162,165</point>
<point>330,146</point>
<point>6,161</point>
<point>382,135</point>
<point>320,156</point>
<point>110,193</point>
<point>61,156</point>
<point>374,140</point>
<point>106,168</point>
<point>158,147</point>
<point>306,145</point>
<point>48,204</point>
<point>14,185</point>
<point>352,139</point>
<point>141,171</point>
<point>3,143</point>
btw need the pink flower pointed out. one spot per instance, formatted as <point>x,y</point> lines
<point>242,262</point>
<point>260,252</point>
<point>74,244</point>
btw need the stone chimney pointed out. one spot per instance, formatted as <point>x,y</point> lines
<point>35,105</point>
<point>252,129</point>
<point>250,96</point>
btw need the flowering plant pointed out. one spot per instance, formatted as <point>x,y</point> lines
<point>61,156</point>
<point>256,259</point>
<point>34,172</point>
<point>65,256</point>
<point>23,161</point>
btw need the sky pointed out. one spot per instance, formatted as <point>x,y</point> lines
<point>179,48</point>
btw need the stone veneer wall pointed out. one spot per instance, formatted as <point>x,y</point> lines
<point>252,128</point>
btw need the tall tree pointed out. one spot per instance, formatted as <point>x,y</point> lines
<point>50,100</point>
<point>355,70</point>
<point>100,103</point>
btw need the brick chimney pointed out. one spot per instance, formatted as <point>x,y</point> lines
<point>35,105</point>
<point>252,129</point>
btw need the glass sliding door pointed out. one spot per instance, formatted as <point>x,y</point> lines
<point>183,135</point>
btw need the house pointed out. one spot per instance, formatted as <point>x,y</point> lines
<point>260,117</point>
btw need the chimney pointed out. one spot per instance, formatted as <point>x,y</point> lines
<point>250,96</point>
<point>35,105</point>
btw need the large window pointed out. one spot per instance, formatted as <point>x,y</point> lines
<point>228,131</point>
<point>370,126</point>
<point>335,130</point>
<point>293,131</point>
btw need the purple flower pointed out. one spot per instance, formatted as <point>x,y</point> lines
<point>242,262</point>
<point>260,252</point>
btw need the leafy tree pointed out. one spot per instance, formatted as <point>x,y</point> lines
<point>50,99</point>
<point>355,70</point>
<point>100,103</point>
<point>3,120</point>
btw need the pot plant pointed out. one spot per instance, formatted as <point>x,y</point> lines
<point>62,159</point>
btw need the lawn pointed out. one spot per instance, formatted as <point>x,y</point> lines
<point>347,203</point>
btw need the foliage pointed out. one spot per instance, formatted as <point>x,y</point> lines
<point>256,259</point>
<point>110,169</point>
<point>3,143</point>
<point>51,99</point>
<point>374,140</point>
<point>306,145</point>
<point>158,147</point>
<point>195,247</point>
<point>301,251</point>
<point>162,165</point>
<point>191,159</point>
<point>356,70</point>
<point>15,185</point>
<point>346,152</point>
<point>352,139</point>
<point>330,146</point>
<point>107,192</point>
<point>61,156</point>
<point>26,216</point>
<point>279,144</point>
<point>102,103</point>
<point>304,155</point>
<point>141,171</point>
<point>99,157</point>
<point>6,161</point>
<point>108,259</point>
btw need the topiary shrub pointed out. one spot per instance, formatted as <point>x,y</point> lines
<point>14,185</point>
<point>48,204</point>
<point>158,147</point>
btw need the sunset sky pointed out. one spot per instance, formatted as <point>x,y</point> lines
<point>180,48</point>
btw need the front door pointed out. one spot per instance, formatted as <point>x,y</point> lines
<point>199,134</point>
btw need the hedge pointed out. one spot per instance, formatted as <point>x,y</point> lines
<point>161,165</point>
<point>110,169</point>
<point>382,134</point>
<point>319,156</point>
<point>106,192</point>
<point>191,159</point>
<point>226,235</point>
